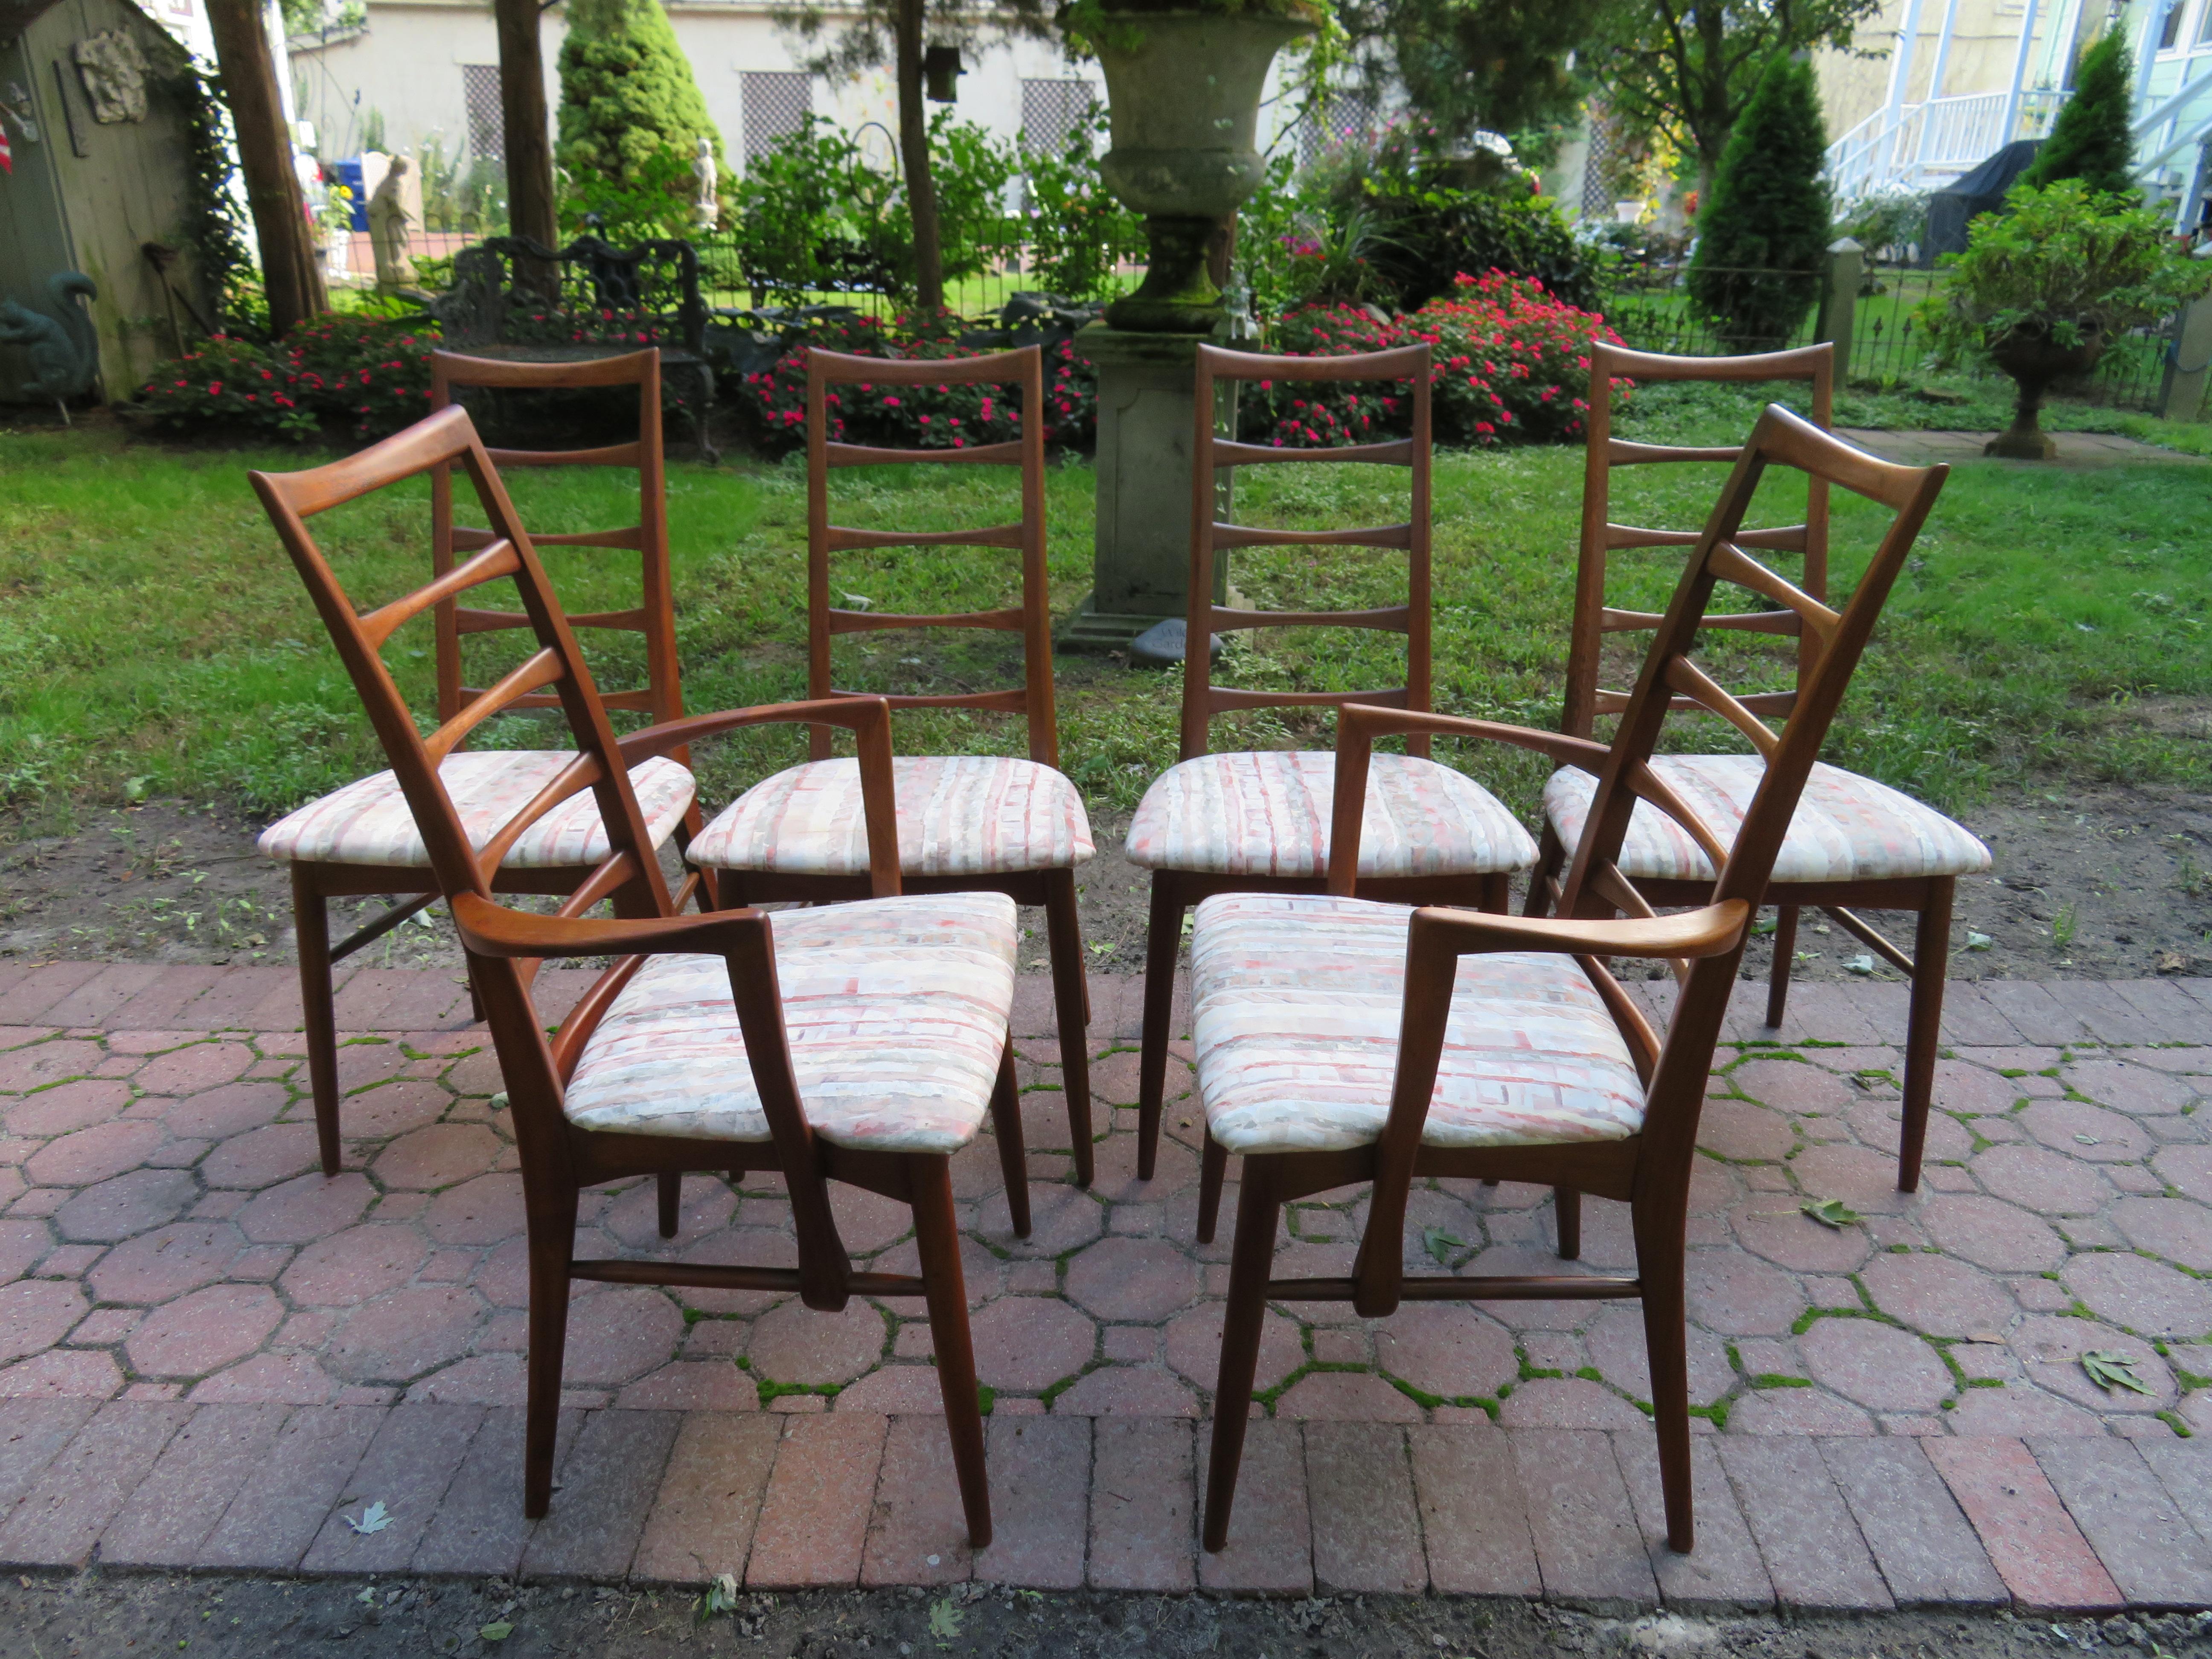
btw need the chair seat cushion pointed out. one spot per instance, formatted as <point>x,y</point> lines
<point>896,1011</point>
<point>1847,828</point>
<point>1296,1002</point>
<point>1267,813</point>
<point>369,823</point>
<point>958,815</point>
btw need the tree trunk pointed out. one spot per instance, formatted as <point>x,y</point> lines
<point>913,147</point>
<point>522,115</point>
<point>290,275</point>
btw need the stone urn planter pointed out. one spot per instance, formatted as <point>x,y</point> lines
<point>1183,92</point>
<point>2033,359</point>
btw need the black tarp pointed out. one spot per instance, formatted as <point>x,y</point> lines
<point>1982,191</point>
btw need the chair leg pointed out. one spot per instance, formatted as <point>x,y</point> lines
<point>1071,1006</point>
<point>1931,960</point>
<point>1659,1251</point>
<point>1551,856</point>
<point>1163,939</point>
<point>1785,958</point>
<point>1212,1170</point>
<point>1249,1264</point>
<point>1567,1216</point>
<point>311,927</point>
<point>937,1239</point>
<point>672,1200</point>
<point>552,1243</point>
<point>1006,1130</point>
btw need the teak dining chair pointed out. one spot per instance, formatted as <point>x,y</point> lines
<point>1854,842</point>
<point>966,823</point>
<point>1257,822</point>
<point>362,840</point>
<point>1341,1040</point>
<point>860,1043</point>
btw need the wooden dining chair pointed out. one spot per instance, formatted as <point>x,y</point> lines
<point>860,1043</point>
<point>1258,821</point>
<point>967,822</point>
<point>362,840</point>
<point>1341,1040</point>
<point>1855,843</point>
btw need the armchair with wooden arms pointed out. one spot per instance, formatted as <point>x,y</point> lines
<point>861,1042</point>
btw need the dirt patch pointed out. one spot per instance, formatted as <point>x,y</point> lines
<point>100,1613</point>
<point>2112,883</point>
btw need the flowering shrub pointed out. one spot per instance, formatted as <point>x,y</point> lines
<point>1510,364</point>
<point>946,415</point>
<point>372,374</point>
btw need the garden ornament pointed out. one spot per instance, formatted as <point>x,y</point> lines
<point>66,355</point>
<point>389,226</point>
<point>114,71</point>
<point>706,210</point>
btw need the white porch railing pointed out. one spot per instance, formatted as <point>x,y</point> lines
<point>1931,143</point>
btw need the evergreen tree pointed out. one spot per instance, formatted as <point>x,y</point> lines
<point>630,111</point>
<point>2090,140</point>
<point>1762,237</point>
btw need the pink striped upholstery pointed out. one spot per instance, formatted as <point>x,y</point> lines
<point>958,815</point>
<point>369,823</point>
<point>1296,1000</point>
<point>1266,814</point>
<point>1847,828</point>
<point>896,1011</point>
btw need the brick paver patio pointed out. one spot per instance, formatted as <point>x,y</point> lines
<point>211,1356</point>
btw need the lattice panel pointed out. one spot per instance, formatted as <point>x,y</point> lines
<point>1053,109</point>
<point>487,116</point>
<point>777,105</point>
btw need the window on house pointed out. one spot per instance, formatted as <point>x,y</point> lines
<point>488,120</point>
<point>1053,109</point>
<point>487,117</point>
<point>777,105</point>
<point>2204,26</point>
<point>2170,32</point>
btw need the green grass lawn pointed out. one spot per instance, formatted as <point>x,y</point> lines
<point>155,641</point>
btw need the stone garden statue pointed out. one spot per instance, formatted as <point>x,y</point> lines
<point>706,210</point>
<point>390,224</point>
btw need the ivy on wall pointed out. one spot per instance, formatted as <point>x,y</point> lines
<point>212,226</point>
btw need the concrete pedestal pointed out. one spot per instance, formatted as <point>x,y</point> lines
<point>1142,566</point>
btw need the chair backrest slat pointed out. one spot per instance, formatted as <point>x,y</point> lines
<point>1209,536</point>
<point>1594,617</point>
<point>1023,370</point>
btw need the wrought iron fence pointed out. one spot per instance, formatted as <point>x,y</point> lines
<point>1650,306</point>
<point>856,281</point>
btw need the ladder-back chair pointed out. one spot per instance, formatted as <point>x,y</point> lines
<point>1341,1040</point>
<point>861,1042</point>
<point>362,840</point>
<point>1258,821</point>
<point>1854,842</point>
<point>967,822</point>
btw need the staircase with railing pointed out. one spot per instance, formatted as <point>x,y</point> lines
<point>1924,146</point>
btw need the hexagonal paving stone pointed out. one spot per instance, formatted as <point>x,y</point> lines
<point>1791,1086</point>
<point>1736,1295</point>
<point>750,1247</point>
<point>47,1062</point>
<point>1193,1346</point>
<point>2050,1349</point>
<point>1936,1295</point>
<point>157,1265</point>
<point>707,1203</point>
<point>128,1204</point>
<point>1144,1280</point>
<point>2146,1296</point>
<point>99,1154</point>
<point>480,1212</point>
<point>397,1337</point>
<point>620,1332</point>
<point>2187,1169</point>
<point>71,1106</point>
<point>2137,1090</point>
<point>794,1344</point>
<point>203,1332</point>
<point>1027,1343</point>
<point>2174,1228</point>
<point>22,1244</point>
<point>262,1157</point>
<point>1862,1177</point>
<point>1875,1365</point>
<point>349,1267</point>
<point>300,1210</point>
<point>439,1155</point>
<point>1772,1224</point>
<point>1500,1261</point>
<point>1880,1124</point>
<point>2089,1132</point>
<point>395,1109</point>
<point>2048,1182</point>
<point>1992,1234</point>
<point>230,1110</point>
<point>1615,1340</point>
<point>35,1314</point>
<point>189,1070</point>
<point>1962,1088</point>
<point>1447,1350</point>
<point>1738,1129</point>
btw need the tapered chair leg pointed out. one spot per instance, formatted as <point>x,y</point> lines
<point>1659,1240</point>
<point>1931,960</point>
<point>1072,1008</point>
<point>552,1240</point>
<point>1250,1261</point>
<point>1006,1130</point>
<point>1567,1216</point>
<point>1551,857</point>
<point>1212,1169</point>
<point>1785,958</point>
<point>311,927</point>
<point>937,1240</point>
<point>1163,940</point>
<point>671,1198</point>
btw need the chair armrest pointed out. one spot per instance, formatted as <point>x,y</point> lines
<point>1712,931</point>
<point>1358,725</point>
<point>868,718</point>
<point>493,930</point>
